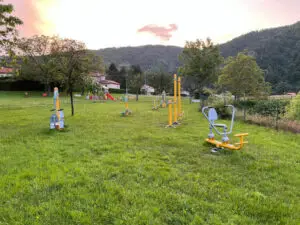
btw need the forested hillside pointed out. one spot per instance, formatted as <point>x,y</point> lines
<point>147,57</point>
<point>277,51</point>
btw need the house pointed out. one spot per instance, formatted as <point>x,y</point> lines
<point>147,89</point>
<point>293,94</point>
<point>110,84</point>
<point>101,79</point>
<point>6,72</point>
<point>185,93</point>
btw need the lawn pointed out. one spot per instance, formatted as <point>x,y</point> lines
<point>107,169</point>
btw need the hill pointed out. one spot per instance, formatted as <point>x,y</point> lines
<point>147,56</point>
<point>277,51</point>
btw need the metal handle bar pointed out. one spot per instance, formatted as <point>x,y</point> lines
<point>232,119</point>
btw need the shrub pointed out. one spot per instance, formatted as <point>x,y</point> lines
<point>274,108</point>
<point>219,102</point>
<point>293,109</point>
<point>117,91</point>
<point>245,104</point>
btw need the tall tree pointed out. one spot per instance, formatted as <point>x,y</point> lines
<point>114,74</point>
<point>36,52</point>
<point>160,80</point>
<point>73,62</point>
<point>201,59</point>
<point>8,32</point>
<point>242,76</point>
<point>135,80</point>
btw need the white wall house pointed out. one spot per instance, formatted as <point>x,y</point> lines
<point>110,84</point>
<point>148,89</point>
<point>6,72</point>
<point>101,79</point>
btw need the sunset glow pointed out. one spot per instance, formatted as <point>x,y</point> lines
<point>117,23</point>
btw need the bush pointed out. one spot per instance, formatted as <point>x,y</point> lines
<point>245,104</point>
<point>117,91</point>
<point>293,109</point>
<point>264,107</point>
<point>219,102</point>
<point>274,108</point>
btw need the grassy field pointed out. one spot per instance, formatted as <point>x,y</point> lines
<point>106,169</point>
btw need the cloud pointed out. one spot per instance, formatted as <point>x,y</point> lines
<point>164,33</point>
<point>27,11</point>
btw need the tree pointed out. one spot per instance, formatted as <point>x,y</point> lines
<point>73,62</point>
<point>8,32</point>
<point>202,60</point>
<point>116,75</point>
<point>36,52</point>
<point>160,80</point>
<point>242,76</point>
<point>135,81</point>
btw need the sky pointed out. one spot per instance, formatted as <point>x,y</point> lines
<point>118,23</point>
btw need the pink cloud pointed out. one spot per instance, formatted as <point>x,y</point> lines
<point>164,33</point>
<point>28,13</point>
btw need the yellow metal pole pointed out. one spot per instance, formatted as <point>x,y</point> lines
<point>170,113</point>
<point>175,99</point>
<point>179,97</point>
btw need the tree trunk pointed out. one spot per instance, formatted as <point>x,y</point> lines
<point>48,90</point>
<point>72,103</point>
<point>137,96</point>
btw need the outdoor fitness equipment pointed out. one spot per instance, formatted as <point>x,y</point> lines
<point>127,111</point>
<point>57,118</point>
<point>178,113</point>
<point>212,116</point>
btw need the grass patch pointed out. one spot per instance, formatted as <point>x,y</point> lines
<point>107,169</point>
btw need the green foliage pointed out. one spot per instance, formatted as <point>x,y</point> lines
<point>273,108</point>
<point>219,102</point>
<point>73,63</point>
<point>8,24</point>
<point>149,57</point>
<point>38,62</point>
<point>277,53</point>
<point>293,109</point>
<point>105,169</point>
<point>117,91</point>
<point>242,76</point>
<point>245,104</point>
<point>160,80</point>
<point>202,60</point>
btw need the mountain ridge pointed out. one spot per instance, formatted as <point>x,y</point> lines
<point>277,51</point>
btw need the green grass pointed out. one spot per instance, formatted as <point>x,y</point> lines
<point>107,169</point>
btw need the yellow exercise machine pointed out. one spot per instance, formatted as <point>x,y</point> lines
<point>212,116</point>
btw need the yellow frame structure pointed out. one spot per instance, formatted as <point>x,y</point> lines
<point>236,146</point>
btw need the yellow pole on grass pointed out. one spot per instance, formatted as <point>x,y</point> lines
<point>175,99</point>
<point>179,97</point>
<point>170,113</point>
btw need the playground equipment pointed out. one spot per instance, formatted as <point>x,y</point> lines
<point>110,96</point>
<point>178,113</point>
<point>212,116</point>
<point>162,102</point>
<point>57,118</point>
<point>127,111</point>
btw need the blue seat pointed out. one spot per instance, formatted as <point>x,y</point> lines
<point>213,116</point>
